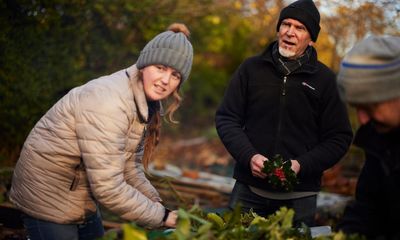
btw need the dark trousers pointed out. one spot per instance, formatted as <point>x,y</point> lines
<point>305,208</point>
<point>38,229</point>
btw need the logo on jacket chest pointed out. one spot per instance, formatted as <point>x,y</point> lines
<point>308,85</point>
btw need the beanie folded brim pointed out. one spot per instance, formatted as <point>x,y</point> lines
<point>362,83</point>
<point>169,48</point>
<point>168,57</point>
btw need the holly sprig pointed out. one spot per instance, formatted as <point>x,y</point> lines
<point>280,174</point>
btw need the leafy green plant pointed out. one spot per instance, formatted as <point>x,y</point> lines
<point>279,173</point>
<point>195,224</point>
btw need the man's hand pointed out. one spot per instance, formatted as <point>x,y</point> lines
<point>257,164</point>
<point>295,166</point>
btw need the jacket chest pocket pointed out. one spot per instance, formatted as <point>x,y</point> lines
<point>311,92</point>
<point>303,102</point>
<point>311,95</point>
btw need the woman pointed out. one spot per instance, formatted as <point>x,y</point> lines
<point>89,147</point>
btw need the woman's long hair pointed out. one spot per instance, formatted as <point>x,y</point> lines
<point>153,130</point>
<point>154,127</point>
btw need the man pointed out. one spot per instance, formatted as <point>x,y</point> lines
<point>284,101</point>
<point>369,80</point>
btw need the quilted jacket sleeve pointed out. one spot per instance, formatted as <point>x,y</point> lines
<point>135,176</point>
<point>102,125</point>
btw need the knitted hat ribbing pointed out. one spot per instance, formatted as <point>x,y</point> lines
<point>370,72</point>
<point>170,48</point>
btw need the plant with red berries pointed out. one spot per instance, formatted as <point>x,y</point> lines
<point>280,174</point>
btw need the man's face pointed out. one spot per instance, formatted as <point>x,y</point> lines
<point>293,38</point>
<point>385,116</point>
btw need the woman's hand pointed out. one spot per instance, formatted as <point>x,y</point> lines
<point>171,219</point>
<point>156,199</point>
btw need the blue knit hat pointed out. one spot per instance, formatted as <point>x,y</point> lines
<point>370,72</point>
<point>170,48</point>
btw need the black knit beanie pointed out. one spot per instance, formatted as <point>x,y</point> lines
<point>305,12</point>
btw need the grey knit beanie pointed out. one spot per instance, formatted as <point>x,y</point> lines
<point>170,48</point>
<point>370,72</point>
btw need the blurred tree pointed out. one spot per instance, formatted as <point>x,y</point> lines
<point>230,32</point>
<point>350,22</point>
<point>39,48</point>
<point>49,47</point>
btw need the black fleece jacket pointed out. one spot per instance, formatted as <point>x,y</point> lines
<point>299,116</point>
<point>376,209</point>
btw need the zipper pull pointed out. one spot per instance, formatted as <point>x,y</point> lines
<point>284,86</point>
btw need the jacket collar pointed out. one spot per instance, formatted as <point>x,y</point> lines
<point>379,144</point>
<point>368,137</point>
<point>132,73</point>
<point>309,67</point>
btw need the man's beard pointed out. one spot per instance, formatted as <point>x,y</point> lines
<point>286,53</point>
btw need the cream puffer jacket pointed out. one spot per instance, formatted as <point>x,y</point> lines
<point>101,123</point>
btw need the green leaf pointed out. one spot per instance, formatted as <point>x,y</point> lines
<point>205,228</point>
<point>184,225</point>
<point>285,178</point>
<point>216,220</point>
<point>132,232</point>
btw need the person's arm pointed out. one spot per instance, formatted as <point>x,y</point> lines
<point>335,135</point>
<point>135,176</point>
<point>102,127</point>
<point>229,120</point>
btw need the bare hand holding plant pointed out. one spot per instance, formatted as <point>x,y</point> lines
<point>280,174</point>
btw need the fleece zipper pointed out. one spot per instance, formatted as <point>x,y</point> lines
<point>282,104</point>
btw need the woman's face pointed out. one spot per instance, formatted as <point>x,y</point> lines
<point>159,81</point>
